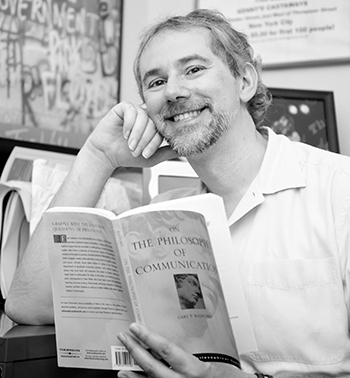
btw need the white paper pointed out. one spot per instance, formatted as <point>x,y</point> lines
<point>47,177</point>
<point>15,236</point>
<point>16,215</point>
<point>290,32</point>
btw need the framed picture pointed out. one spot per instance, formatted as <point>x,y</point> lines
<point>287,34</point>
<point>304,115</point>
<point>60,68</point>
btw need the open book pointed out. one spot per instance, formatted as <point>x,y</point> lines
<point>155,265</point>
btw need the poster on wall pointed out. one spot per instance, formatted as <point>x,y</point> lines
<point>291,32</point>
<point>59,68</point>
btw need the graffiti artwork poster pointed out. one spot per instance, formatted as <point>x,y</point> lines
<point>59,68</point>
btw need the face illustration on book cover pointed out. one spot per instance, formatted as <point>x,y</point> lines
<point>176,275</point>
<point>189,291</point>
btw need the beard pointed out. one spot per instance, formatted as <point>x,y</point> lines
<point>194,139</point>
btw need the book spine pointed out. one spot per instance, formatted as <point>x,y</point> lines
<point>130,280</point>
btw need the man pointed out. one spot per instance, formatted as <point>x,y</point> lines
<point>287,203</point>
<point>188,289</point>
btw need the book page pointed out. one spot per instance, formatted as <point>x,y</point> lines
<point>174,282</point>
<point>18,171</point>
<point>90,300</point>
<point>4,194</point>
<point>212,207</point>
<point>47,177</point>
<point>14,224</point>
<point>16,212</point>
<point>20,162</point>
<point>14,239</point>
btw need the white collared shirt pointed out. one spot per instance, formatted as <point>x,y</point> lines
<point>291,234</point>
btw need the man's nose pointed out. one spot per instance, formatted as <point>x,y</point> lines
<point>176,89</point>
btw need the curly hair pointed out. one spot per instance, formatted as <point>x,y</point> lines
<point>229,44</point>
<point>180,277</point>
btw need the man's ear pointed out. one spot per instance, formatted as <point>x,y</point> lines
<point>249,83</point>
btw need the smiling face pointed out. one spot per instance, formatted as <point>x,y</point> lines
<point>190,93</point>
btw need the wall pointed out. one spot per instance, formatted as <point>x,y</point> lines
<point>336,78</point>
<point>137,15</point>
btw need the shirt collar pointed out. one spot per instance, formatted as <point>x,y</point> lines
<point>280,168</point>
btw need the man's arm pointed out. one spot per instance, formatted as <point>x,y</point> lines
<point>120,139</point>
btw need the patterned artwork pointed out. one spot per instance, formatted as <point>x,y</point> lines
<point>59,68</point>
<point>306,116</point>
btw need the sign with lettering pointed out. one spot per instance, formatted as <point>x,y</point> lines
<point>59,68</point>
<point>291,32</point>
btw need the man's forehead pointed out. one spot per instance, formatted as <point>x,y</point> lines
<point>178,46</point>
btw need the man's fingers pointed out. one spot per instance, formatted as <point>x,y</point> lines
<point>142,129</point>
<point>129,138</point>
<point>138,128</point>
<point>136,123</point>
<point>150,365</point>
<point>179,360</point>
<point>130,374</point>
<point>146,141</point>
<point>127,113</point>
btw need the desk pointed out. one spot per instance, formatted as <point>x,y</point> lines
<point>30,351</point>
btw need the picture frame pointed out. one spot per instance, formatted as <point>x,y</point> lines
<point>284,35</point>
<point>304,115</point>
<point>60,69</point>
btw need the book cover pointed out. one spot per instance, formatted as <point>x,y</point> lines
<point>174,281</point>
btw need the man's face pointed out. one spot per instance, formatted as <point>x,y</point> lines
<point>190,93</point>
<point>189,292</point>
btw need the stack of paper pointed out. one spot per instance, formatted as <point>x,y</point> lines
<point>16,198</point>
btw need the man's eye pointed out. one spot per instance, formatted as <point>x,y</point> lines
<point>156,83</point>
<point>194,70</point>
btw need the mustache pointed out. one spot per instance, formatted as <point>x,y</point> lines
<point>171,109</point>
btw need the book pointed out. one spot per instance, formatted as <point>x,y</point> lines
<point>154,265</point>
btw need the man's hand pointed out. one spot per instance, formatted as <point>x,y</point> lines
<point>127,137</point>
<point>182,364</point>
